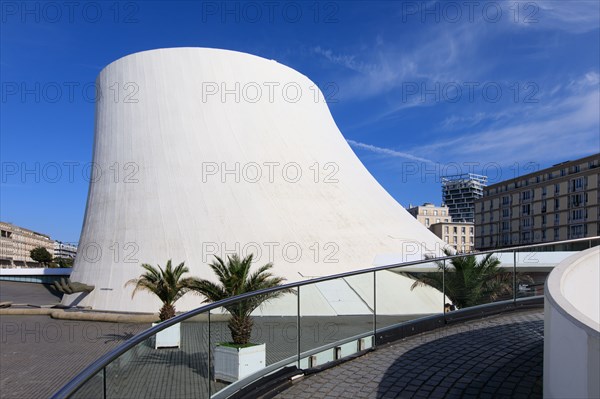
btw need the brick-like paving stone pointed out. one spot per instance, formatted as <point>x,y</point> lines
<point>495,357</point>
<point>39,354</point>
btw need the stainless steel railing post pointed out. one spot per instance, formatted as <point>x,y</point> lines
<point>374,308</point>
<point>444,286</point>
<point>515,277</point>
<point>104,382</point>
<point>298,327</point>
<point>208,360</point>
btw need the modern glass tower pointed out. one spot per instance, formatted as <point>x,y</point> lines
<point>459,193</point>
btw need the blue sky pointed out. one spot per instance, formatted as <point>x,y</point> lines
<point>419,89</point>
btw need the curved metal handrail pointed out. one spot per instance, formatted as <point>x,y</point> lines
<point>94,368</point>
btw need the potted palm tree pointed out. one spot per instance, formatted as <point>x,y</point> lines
<point>469,282</point>
<point>239,358</point>
<point>168,285</point>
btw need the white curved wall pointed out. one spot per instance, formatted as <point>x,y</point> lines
<point>172,139</point>
<point>572,329</point>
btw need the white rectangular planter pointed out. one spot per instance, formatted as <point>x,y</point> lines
<point>232,364</point>
<point>169,337</point>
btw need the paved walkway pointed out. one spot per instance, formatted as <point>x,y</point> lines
<point>28,293</point>
<point>497,357</point>
<point>38,354</point>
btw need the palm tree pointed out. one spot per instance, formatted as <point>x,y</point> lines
<point>235,279</point>
<point>468,282</point>
<point>166,284</point>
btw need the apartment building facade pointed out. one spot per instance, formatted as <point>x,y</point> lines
<point>459,193</point>
<point>458,235</point>
<point>16,243</point>
<point>557,203</point>
<point>429,214</point>
<point>65,250</point>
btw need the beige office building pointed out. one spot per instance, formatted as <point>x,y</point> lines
<point>16,243</point>
<point>557,203</point>
<point>459,235</point>
<point>429,214</point>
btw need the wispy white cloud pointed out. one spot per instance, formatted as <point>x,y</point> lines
<point>388,152</point>
<point>573,16</point>
<point>566,126</point>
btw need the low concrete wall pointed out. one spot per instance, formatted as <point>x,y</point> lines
<point>572,329</point>
<point>43,275</point>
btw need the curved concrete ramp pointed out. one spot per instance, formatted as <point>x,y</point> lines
<point>202,151</point>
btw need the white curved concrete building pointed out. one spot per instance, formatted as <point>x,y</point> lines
<point>572,328</point>
<point>204,151</point>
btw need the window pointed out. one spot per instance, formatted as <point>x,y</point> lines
<point>463,230</point>
<point>471,230</point>
<point>446,220</point>
<point>462,240</point>
<point>505,226</point>
<point>526,222</point>
<point>455,229</point>
<point>577,184</point>
<point>544,191</point>
<point>446,239</point>
<point>427,222</point>
<point>543,220</point>
<point>505,213</point>
<point>556,189</point>
<point>435,213</point>
<point>577,214</point>
<point>526,195</point>
<point>425,212</point>
<point>576,231</point>
<point>437,220</point>
<point>556,218</point>
<point>446,229</point>
<point>577,199</point>
<point>526,209</point>
<point>556,203</point>
<point>543,234</point>
<point>443,213</point>
<point>455,239</point>
<point>556,235</point>
<point>526,236</point>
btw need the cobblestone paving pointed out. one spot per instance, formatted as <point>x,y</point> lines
<point>496,357</point>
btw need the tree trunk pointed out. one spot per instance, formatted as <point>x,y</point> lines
<point>241,329</point>
<point>166,312</point>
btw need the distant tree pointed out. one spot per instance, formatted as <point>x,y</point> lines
<point>41,255</point>
<point>63,262</point>
<point>469,282</point>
